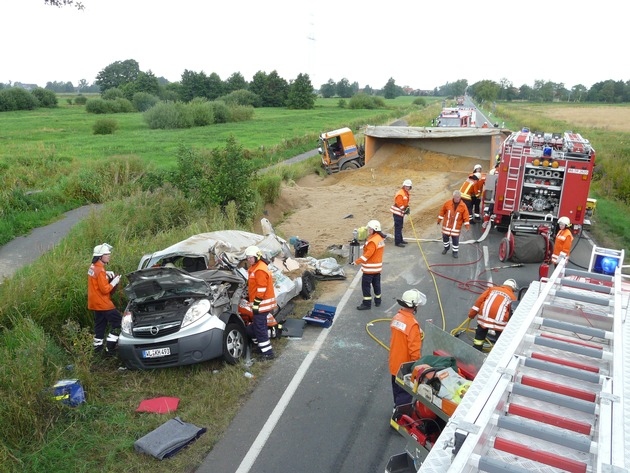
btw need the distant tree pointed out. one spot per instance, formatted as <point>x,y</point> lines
<point>45,98</point>
<point>193,84</point>
<point>81,85</point>
<point>485,90</point>
<point>235,82</point>
<point>344,90</point>
<point>216,88</point>
<point>368,90</point>
<point>328,89</point>
<point>146,82</point>
<point>258,83</point>
<point>578,92</point>
<point>354,87</point>
<point>118,74</point>
<point>275,92</point>
<point>300,95</point>
<point>390,90</point>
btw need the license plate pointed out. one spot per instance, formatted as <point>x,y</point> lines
<point>156,353</point>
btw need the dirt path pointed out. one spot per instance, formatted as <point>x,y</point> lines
<point>325,210</point>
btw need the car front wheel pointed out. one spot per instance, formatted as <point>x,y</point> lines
<point>234,343</point>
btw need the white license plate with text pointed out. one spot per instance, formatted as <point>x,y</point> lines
<point>156,353</point>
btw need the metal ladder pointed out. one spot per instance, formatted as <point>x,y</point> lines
<point>514,180</point>
<point>552,397</point>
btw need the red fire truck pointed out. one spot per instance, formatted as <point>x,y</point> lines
<point>540,177</point>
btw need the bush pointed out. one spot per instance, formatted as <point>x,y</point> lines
<point>143,101</point>
<point>341,103</point>
<point>169,115</point>
<point>105,126</point>
<point>420,101</point>
<point>45,98</point>
<point>242,97</point>
<point>112,94</point>
<point>368,102</point>
<point>120,105</point>
<point>16,98</point>
<point>96,106</point>
<point>69,101</point>
<point>241,113</point>
<point>80,100</point>
<point>202,111</point>
<point>221,112</point>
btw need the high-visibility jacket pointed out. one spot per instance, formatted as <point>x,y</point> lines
<point>406,339</point>
<point>492,308</point>
<point>452,216</point>
<point>480,184</point>
<point>469,188</point>
<point>401,202</point>
<point>260,286</point>
<point>372,259</point>
<point>562,246</point>
<point>99,288</point>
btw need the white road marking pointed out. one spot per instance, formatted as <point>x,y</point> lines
<point>272,421</point>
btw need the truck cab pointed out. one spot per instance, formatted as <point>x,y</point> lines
<point>339,151</point>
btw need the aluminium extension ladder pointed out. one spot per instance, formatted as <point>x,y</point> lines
<point>551,395</point>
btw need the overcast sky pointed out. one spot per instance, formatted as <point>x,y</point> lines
<point>422,44</point>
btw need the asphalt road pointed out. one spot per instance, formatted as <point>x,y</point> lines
<point>326,402</point>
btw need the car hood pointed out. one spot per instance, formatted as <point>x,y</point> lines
<point>158,283</point>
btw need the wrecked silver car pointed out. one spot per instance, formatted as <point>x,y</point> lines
<point>184,301</point>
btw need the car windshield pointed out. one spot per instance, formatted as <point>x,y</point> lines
<point>159,283</point>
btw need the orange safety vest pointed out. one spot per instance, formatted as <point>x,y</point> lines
<point>406,339</point>
<point>99,288</point>
<point>260,285</point>
<point>492,308</point>
<point>372,259</point>
<point>401,202</point>
<point>469,188</point>
<point>452,216</point>
<point>562,246</point>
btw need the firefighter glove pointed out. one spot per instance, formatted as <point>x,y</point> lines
<point>471,314</point>
<point>256,305</point>
<point>115,281</point>
<point>407,211</point>
<point>110,275</point>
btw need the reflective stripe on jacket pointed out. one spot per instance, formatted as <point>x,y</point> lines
<point>562,246</point>
<point>260,285</point>
<point>492,308</point>
<point>401,202</point>
<point>452,216</point>
<point>99,288</point>
<point>372,259</point>
<point>468,188</point>
<point>406,340</point>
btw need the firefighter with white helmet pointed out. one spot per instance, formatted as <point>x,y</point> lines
<point>492,309</point>
<point>262,297</point>
<point>101,284</point>
<point>453,215</point>
<point>406,340</point>
<point>371,262</point>
<point>563,242</point>
<point>399,209</point>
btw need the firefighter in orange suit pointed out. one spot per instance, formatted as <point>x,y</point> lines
<point>492,309</point>
<point>262,297</point>
<point>453,215</point>
<point>469,191</point>
<point>372,264</point>
<point>406,340</point>
<point>476,197</point>
<point>101,284</point>
<point>400,208</point>
<point>564,240</point>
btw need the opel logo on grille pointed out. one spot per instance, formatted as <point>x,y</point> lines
<point>154,330</point>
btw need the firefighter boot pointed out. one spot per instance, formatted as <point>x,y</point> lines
<point>377,301</point>
<point>111,349</point>
<point>478,344</point>
<point>365,305</point>
<point>455,254</point>
<point>445,250</point>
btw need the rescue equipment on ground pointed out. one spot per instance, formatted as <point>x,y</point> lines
<point>321,315</point>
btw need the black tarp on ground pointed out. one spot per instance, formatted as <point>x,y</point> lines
<point>529,248</point>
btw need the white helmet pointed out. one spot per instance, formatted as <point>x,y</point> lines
<point>407,183</point>
<point>374,225</point>
<point>511,283</point>
<point>564,220</point>
<point>477,168</point>
<point>477,175</point>
<point>253,251</point>
<point>102,249</point>
<point>412,299</point>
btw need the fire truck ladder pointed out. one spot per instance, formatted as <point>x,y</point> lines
<point>514,180</point>
<point>550,396</point>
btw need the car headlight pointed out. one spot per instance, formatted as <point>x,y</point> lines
<point>126,323</point>
<point>196,311</point>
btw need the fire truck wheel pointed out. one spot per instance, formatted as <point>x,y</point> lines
<point>504,250</point>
